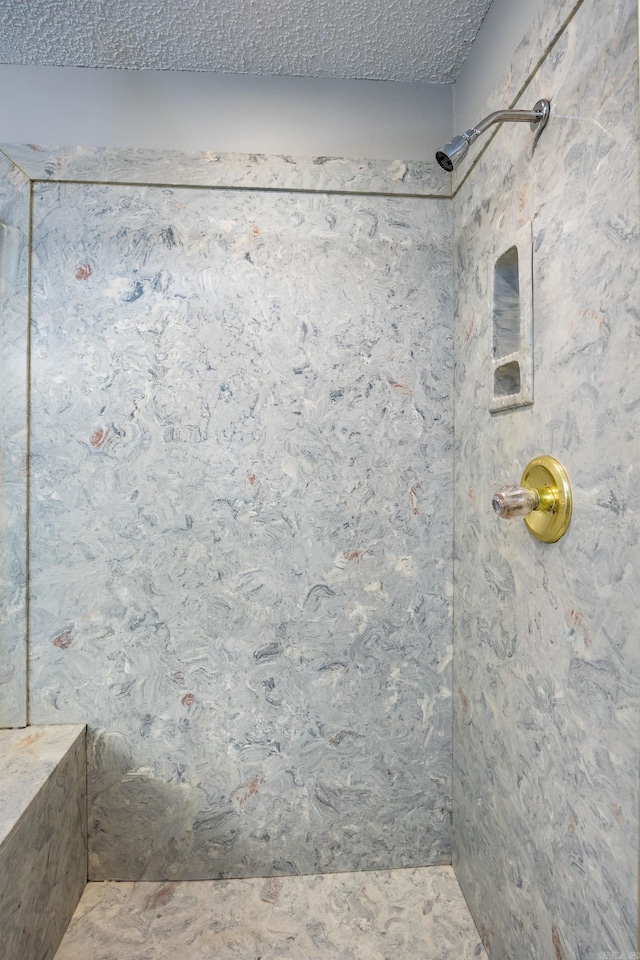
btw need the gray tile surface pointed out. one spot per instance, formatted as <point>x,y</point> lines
<point>14,326</point>
<point>546,27</point>
<point>241,575</point>
<point>254,171</point>
<point>397,915</point>
<point>547,660</point>
<point>43,837</point>
<point>28,757</point>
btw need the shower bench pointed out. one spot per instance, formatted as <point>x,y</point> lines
<point>43,830</point>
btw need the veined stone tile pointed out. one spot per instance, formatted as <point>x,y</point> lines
<point>43,837</point>
<point>397,915</point>
<point>547,701</point>
<point>539,38</point>
<point>254,171</point>
<point>28,757</point>
<point>241,524</point>
<point>14,323</point>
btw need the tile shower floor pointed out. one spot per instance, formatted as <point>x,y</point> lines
<point>415,914</point>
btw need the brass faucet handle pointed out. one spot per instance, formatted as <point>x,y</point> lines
<point>510,503</point>
<point>543,499</point>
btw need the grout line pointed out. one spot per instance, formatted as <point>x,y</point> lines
<point>27,466</point>
<point>14,164</point>
<point>288,876</point>
<point>86,801</point>
<point>249,189</point>
<point>453,513</point>
<point>638,808</point>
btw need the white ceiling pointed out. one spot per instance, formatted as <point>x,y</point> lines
<point>411,40</point>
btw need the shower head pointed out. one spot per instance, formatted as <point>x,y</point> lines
<point>455,150</point>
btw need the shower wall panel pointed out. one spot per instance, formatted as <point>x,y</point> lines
<point>14,331</point>
<point>546,707</point>
<point>241,508</point>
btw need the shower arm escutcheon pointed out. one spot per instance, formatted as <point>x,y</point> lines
<point>543,499</point>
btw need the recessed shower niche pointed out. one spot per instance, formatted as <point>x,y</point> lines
<point>511,298</point>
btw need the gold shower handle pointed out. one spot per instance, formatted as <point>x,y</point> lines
<point>543,499</point>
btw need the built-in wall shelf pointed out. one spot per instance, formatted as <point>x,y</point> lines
<point>511,299</point>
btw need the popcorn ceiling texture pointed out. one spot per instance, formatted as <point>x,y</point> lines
<point>353,39</point>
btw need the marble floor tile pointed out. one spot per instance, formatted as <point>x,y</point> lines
<point>414,914</point>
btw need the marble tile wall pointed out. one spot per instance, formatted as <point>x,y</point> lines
<point>43,837</point>
<point>241,524</point>
<point>240,170</point>
<point>547,661</point>
<point>14,263</point>
<point>548,25</point>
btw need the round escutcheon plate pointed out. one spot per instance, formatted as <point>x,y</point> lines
<point>550,521</point>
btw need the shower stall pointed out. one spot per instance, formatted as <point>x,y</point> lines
<point>265,403</point>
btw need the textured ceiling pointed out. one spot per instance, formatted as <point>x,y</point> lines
<point>424,40</point>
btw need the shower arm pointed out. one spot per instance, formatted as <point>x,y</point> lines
<point>519,116</point>
<point>453,152</point>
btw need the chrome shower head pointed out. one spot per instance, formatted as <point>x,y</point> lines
<point>453,152</point>
<point>456,149</point>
